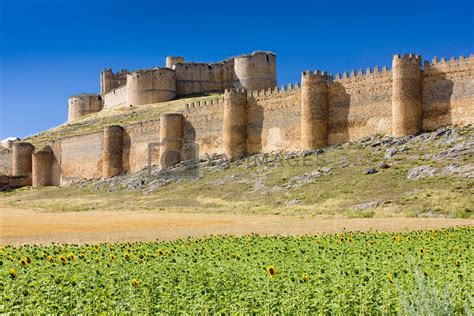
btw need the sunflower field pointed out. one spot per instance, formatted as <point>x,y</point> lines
<point>348,273</point>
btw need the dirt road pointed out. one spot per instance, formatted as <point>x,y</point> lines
<point>24,226</point>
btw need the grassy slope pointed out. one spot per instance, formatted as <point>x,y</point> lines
<point>246,189</point>
<point>121,116</point>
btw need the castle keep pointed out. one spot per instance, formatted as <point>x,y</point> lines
<point>251,116</point>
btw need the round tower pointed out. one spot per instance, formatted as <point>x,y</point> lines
<point>407,107</point>
<point>21,158</point>
<point>112,151</point>
<point>41,167</point>
<point>173,60</point>
<point>314,110</point>
<point>171,139</point>
<point>235,123</point>
<point>255,71</point>
<point>83,104</point>
<point>150,86</point>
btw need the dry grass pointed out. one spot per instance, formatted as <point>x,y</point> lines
<point>26,226</point>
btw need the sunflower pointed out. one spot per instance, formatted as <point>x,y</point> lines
<point>12,273</point>
<point>71,256</point>
<point>82,256</point>
<point>63,259</point>
<point>390,278</point>
<point>457,263</point>
<point>305,277</point>
<point>50,259</point>
<point>161,252</point>
<point>112,257</point>
<point>23,262</point>
<point>135,282</point>
<point>272,271</point>
<point>421,251</point>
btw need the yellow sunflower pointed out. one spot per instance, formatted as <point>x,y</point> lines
<point>135,282</point>
<point>305,277</point>
<point>272,271</point>
<point>12,273</point>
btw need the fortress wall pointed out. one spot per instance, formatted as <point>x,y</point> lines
<point>81,157</point>
<point>136,138</point>
<point>359,105</point>
<point>448,92</point>
<point>203,124</point>
<point>194,78</point>
<point>115,97</point>
<point>274,119</point>
<point>5,161</point>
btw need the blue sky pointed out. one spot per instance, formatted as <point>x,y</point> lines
<point>50,50</point>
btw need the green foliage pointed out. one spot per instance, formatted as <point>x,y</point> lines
<point>421,272</point>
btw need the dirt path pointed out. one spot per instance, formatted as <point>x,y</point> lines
<point>24,226</point>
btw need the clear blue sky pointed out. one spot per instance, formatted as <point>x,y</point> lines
<point>53,49</point>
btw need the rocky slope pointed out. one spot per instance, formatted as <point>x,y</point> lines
<point>429,175</point>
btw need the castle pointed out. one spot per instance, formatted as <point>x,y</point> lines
<point>252,116</point>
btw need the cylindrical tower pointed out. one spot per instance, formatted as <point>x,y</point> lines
<point>150,86</point>
<point>314,110</point>
<point>407,107</point>
<point>171,139</point>
<point>21,158</point>
<point>83,104</point>
<point>173,60</point>
<point>235,123</point>
<point>255,71</point>
<point>112,151</point>
<point>42,163</point>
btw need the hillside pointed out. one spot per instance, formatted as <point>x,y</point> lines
<point>121,116</point>
<point>429,175</point>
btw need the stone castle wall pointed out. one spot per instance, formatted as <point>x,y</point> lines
<point>203,125</point>
<point>448,92</point>
<point>81,157</point>
<point>136,139</point>
<point>115,98</point>
<point>359,105</point>
<point>274,119</point>
<point>343,108</point>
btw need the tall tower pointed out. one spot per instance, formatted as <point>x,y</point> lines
<point>41,167</point>
<point>112,151</point>
<point>235,123</point>
<point>21,158</point>
<point>171,139</point>
<point>407,107</point>
<point>314,110</point>
<point>256,71</point>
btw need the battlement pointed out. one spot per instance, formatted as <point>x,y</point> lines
<point>316,75</point>
<point>359,75</point>
<point>407,58</point>
<point>452,62</point>
<point>198,105</point>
